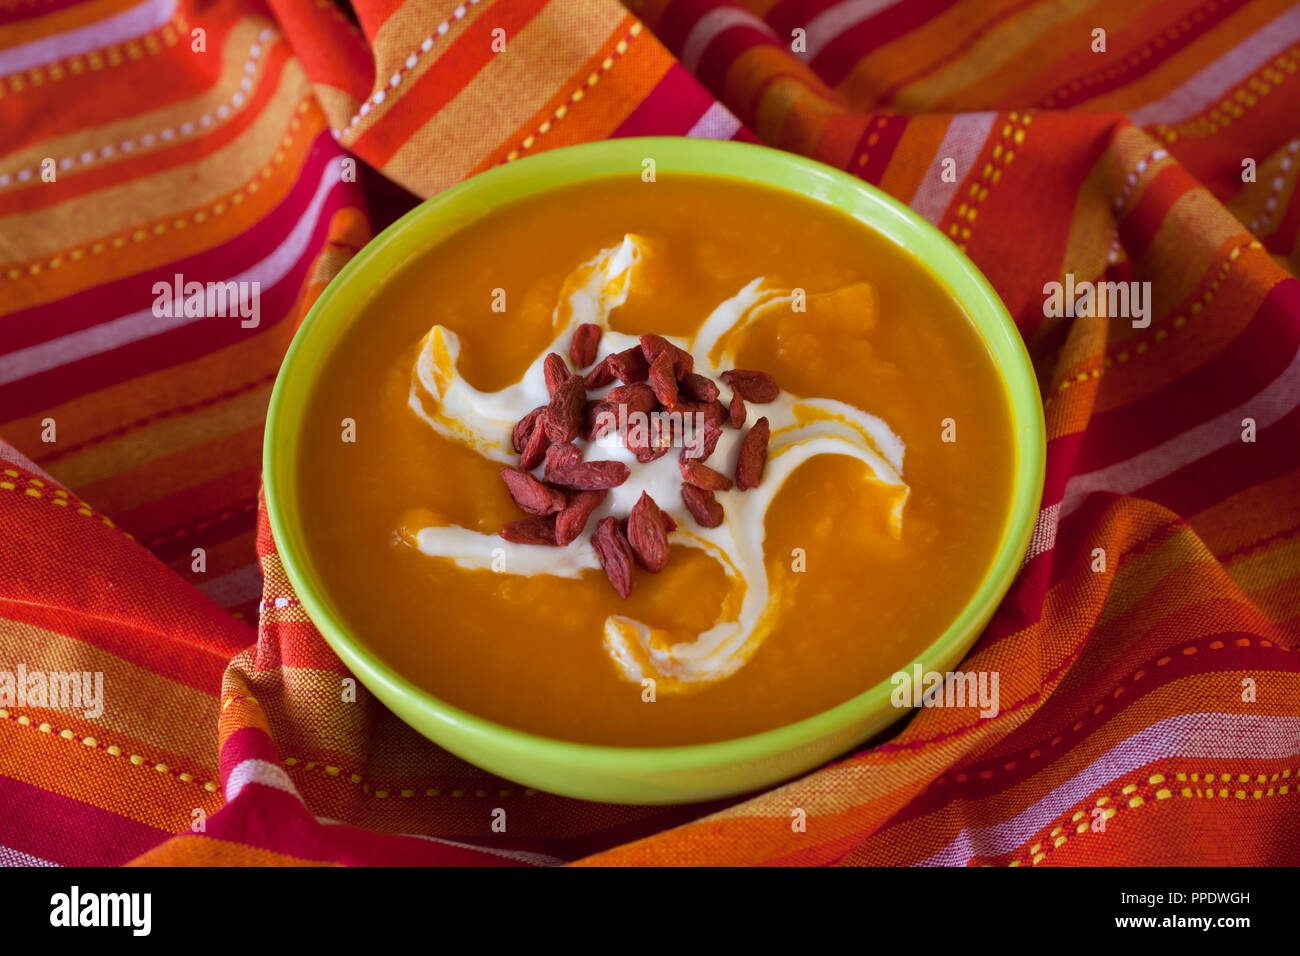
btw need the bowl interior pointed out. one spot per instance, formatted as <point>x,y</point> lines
<point>712,767</point>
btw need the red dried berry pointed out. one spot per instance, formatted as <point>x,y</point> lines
<point>586,342</point>
<point>555,370</point>
<point>752,386</point>
<point>535,448</point>
<point>601,375</point>
<point>567,413</point>
<point>703,506</point>
<point>615,554</point>
<point>530,494</point>
<point>736,413</point>
<point>702,476</point>
<point>753,456</point>
<point>638,397</point>
<point>703,441</point>
<point>629,366</point>
<point>570,522</point>
<point>648,534</point>
<point>602,419</point>
<point>653,345</point>
<point>697,387</point>
<point>590,475</point>
<point>524,429</point>
<point>663,381</point>
<point>560,455</point>
<point>531,530</point>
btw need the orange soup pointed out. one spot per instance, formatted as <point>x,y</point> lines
<point>830,493</point>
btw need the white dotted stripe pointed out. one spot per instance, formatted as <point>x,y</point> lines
<point>166,136</point>
<point>381,94</point>
<point>1136,173</point>
<point>1115,253</point>
<point>1279,185</point>
<point>1043,538</point>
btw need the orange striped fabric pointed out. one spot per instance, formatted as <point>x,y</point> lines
<point>1147,650</point>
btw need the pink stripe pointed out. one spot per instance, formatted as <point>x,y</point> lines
<point>1203,89</point>
<point>829,24</point>
<point>963,142</point>
<point>236,253</point>
<point>716,123</point>
<point>143,324</point>
<point>1206,736</point>
<point>127,25</point>
<point>712,25</point>
<point>71,832</point>
<point>671,108</point>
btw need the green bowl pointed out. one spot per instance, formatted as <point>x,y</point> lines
<point>644,775</point>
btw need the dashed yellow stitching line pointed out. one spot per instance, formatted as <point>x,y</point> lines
<point>35,488</point>
<point>1187,651</point>
<point>1010,139</point>
<point>1273,202</point>
<point>369,787</point>
<point>872,141</point>
<point>1158,787</point>
<point>1134,59</point>
<point>166,136</point>
<point>1233,105</point>
<point>160,227</point>
<point>151,44</point>
<point>380,96</point>
<point>136,760</point>
<point>1159,332</point>
<point>576,96</point>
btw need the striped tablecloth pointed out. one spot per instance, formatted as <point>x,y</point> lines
<point>1150,710</point>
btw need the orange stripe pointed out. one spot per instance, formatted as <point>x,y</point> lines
<point>207,851</point>
<point>61,21</point>
<point>432,91</point>
<point>603,106</point>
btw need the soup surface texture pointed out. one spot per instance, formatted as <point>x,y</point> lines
<point>872,527</point>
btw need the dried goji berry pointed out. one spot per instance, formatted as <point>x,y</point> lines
<point>662,380</point>
<point>531,530</point>
<point>653,345</point>
<point>629,366</point>
<point>535,448</point>
<point>702,476</point>
<point>638,397</point>
<point>586,341</point>
<point>696,386</point>
<point>703,506</point>
<point>600,375</point>
<point>703,440</point>
<point>524,428</point>
<point>648,534</point>
<point>614,553</point>
<point>530,494</point>
<point>570,522</point>
<point>565,453</point>
<point>555,370</point>
<point>591,475</point>
<point>567,413</point>
<point>736,412</point>
<point>752,386</point>
<point>753,455</point>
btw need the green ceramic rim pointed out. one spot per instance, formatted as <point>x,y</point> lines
<point>456,207</point>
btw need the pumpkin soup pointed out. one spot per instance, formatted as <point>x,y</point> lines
<point>655,463</point>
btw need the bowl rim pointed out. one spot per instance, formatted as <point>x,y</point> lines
<point>722,158</point>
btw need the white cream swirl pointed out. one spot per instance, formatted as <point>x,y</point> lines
<point>801,428</point>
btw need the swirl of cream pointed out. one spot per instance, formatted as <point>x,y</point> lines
<point>801,429</point>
